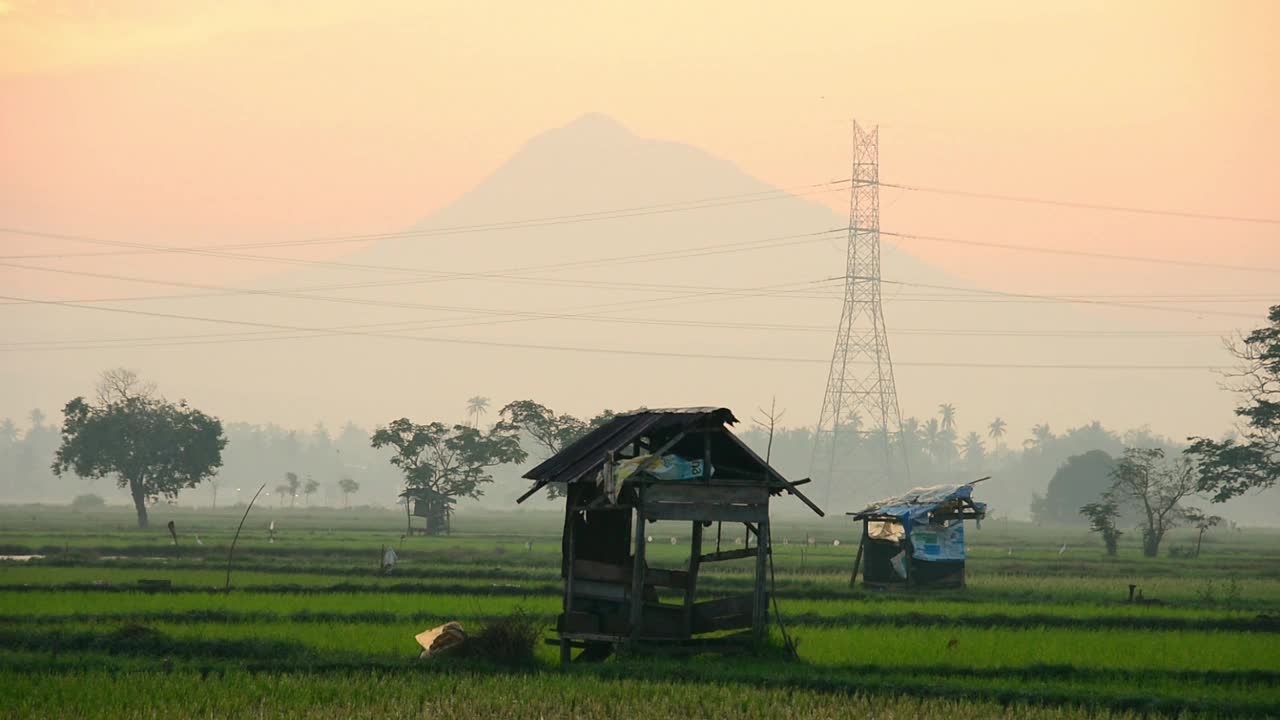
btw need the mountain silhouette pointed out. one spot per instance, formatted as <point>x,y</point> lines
<point>596,165</point>
<point>590,271</point>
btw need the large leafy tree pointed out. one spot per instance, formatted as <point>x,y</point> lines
<point>451,460</point>
<point>152,446</point>
<point>1158,485</point>
<point>552,431</point>
<point>1234,466</point>
<point>1079,480</point>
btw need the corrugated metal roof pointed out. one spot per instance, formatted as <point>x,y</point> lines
<point>589,452</point>
<point>921,501</point>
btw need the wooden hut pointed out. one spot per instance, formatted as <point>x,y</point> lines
<point>916,540</point>
<point>433,507</point>
<point>648,466</point>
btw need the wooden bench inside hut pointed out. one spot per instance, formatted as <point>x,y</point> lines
<point>679,465</point>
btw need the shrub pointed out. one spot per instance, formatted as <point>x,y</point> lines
<point>508,640</point>
<point>88,501</point>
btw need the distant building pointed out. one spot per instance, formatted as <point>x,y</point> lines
<point>435,509</point>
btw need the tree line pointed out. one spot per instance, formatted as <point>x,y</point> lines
<point>155,448</point>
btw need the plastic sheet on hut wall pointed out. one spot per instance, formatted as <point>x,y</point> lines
<point>938,542</point>
<point>666,467</point>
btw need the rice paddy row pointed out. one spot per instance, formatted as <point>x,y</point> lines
<point>312,627</point>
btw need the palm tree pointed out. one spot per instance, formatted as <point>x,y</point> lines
<point>8,432</point>
<point>948,413</point>
<point>476,407</point>
<point>933,439</point>
<point>1040,436</point>
<point>974,451</point>
<point>909,432</point>
<point>995,430</point>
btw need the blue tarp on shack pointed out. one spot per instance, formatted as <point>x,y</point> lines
<point>923,513</point>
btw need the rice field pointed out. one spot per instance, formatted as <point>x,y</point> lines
<point>311,627</point>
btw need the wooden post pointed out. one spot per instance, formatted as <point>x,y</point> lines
<point>760,604</point>
<point>565,648</point>
<point>637,569</point>
<point>857,560</point>
<point>906,548</point>
<point>695,554</point>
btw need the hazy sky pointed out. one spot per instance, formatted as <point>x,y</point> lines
<point>238,120</point>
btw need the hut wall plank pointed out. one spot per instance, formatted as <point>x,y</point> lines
<point>695,491</point>
<point>706,511</point>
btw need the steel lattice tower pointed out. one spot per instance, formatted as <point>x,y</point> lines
<point>860,387</point>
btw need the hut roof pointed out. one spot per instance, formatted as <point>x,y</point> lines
<point>939,501</point>
<point>581,460</point>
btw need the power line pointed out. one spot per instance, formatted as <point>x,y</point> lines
<point>1082,205</point>
<point>615,214</point>
<point>411,325</point>
<point>1071,300</point>
<point>620,213</point>
<point>523,315</point>
<point>598,350</point>
<point>1082,253</point>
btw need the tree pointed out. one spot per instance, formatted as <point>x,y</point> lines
<point>974,451</point>
<point>550,430</point>
<point>1040,437</point>
<point>310,489</point>
<point>996,430</point>
<point>1079,480</point>
<point>153,447</point>
<point>912,434</point>
<point>348,488</point>
<point>1157,485</point>
<point>281,490</point>
<point>1197,519</point>
<point>291,486</point>
<point>933,438</point>
<point>947,412</point>
<point>1102,516</point>
<point>1234,466</point>
<point>453,461</point>
<point>477,406</point>
<point>8,432</point>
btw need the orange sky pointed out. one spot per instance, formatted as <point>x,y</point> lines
<point>238,121</point>
<point>198,121</point>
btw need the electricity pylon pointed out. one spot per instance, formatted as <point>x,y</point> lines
<point>860,385</point>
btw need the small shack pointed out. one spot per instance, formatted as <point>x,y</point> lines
<point>435,509</point>
<point>916,540</point>
<point>648,466</point>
